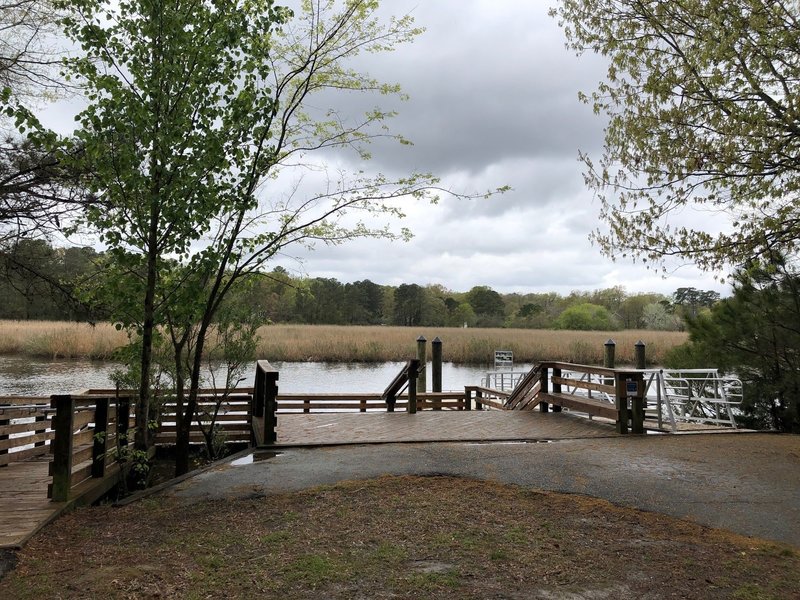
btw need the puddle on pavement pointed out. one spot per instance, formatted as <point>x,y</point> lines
<point>254,457</point>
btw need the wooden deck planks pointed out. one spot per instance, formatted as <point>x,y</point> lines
<point>365,428</point>
<point>24,506</point>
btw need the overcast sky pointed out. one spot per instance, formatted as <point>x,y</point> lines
<point>493,102</point>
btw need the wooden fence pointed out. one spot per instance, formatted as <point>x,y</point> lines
<point>91,432</point>
<point>25,428</point>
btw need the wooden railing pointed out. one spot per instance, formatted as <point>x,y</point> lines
<point>615,394</point>
<point>25,428</point>
<point>90,433</point>
<point>311,403</point>
<point>229,411</point>
<point>406,378</point>
<point>485,396</point>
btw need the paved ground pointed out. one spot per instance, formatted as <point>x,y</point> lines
<point>747,483</point>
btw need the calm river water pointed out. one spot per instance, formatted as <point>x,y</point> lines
<point>30,377</point>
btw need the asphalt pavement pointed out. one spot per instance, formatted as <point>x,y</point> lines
<point>748,483</point>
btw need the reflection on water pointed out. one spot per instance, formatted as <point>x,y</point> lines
<point>23,376</point>
<point>31,377</point>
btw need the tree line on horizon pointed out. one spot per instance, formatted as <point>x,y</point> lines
<point>41,281</point>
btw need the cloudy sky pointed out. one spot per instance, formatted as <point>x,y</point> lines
<point>493,102</point>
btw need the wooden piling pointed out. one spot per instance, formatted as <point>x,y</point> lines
<point>413,372</point>
<point>436,367</point>
<point>422,357</point>
<point>609,351</point>
<point>639,352</point>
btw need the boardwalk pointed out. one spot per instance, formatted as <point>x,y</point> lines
<point>24,506</point>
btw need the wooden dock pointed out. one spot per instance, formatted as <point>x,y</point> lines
<point>70,449</point>
<point>435,426</point>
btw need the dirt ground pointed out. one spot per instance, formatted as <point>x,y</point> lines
<point>396,537</point>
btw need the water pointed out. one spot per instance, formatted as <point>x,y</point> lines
<point>22,376</point>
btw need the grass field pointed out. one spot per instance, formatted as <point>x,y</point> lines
<point>331,343</point>
<point>396,537</point>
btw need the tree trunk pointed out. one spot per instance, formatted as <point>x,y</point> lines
<point>182,445</point>
<point>142,438</point>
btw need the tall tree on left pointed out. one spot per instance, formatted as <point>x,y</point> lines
<point>194,108</point>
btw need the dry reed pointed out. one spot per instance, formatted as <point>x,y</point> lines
<point>57,339</point>
<point>332,343</point>
<point>465,346</point>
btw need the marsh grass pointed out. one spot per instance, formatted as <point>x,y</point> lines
<point>464,346</point>
<point>58,339</point>
<point>333,343</point>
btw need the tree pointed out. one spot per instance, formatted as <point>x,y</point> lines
<point>195,107</point>
<point>700,97</point>
<point>755,335</point>
<point>409,304</point>
<point>28,62</point>
<point>586,316</point>
<point>37,193</point>
<point>631,311</point>
<point>656,316</point>
<point>691,300</point>
<point>487,304</point>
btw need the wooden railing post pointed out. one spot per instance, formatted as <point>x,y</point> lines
<point>621,401</point>
<point>544,385</point>
<point>4,422</point>
<point>41,419</point>
<point>422,357</point>
<point>413,371</point>
<point>635,390</point>
<point>478,398</point>
<point>123,422</point>
<point>467,398</point>
<point>266,393</point>
<point>100,434</point>
<point>436,366</point>
<point>63,427</point>
<point>630,389</point>
<point>557,388</point>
